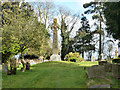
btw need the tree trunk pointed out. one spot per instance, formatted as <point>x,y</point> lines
<point>12,68</point>
<point>100,40</point>
<point>23,63</point>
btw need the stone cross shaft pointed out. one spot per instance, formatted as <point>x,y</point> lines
<point>55,37</point>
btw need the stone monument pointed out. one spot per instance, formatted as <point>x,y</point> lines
<point>92,59</point>
<point>96,71</point>
<point>116,53</point>
<point>101,56</point>
<point>55,56</point>
<point>102,61</point>
<point>119,49</point>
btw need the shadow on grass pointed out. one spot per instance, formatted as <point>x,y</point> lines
<point>48,74</point>
<point>54,74</point>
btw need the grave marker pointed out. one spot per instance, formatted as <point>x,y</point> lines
<point>92,59</point>
<point>96,71</point>
<point>116,70</point>
<point>119,49</point>
<point>4,68</point>
<point>116,53</point>
<point>55,56</point>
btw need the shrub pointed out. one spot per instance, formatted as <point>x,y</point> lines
<point>116,60</point>
<point>74,57</point>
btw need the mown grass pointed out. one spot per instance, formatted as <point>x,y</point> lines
<point>0,67</point>
<point>88,63</point>
<point>55,75</point>
<point>48,75</point>
<point>0,79</point>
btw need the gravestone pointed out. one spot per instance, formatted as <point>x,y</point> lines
<point>119,49</point>
<point>102,61</point>
<point>32,62</point>
<point>116,53</point>
<point>41,58</point>
<point>96,71</point>
<point>55,56</point>
<point>116,70</point>
<point>92,59</point>
<point>4,68</point>
<point>108,67</point>
<point>102,57</point>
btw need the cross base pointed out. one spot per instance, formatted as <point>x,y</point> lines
<point>55,57</point>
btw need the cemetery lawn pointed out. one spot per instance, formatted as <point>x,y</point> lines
<point>53,75</point>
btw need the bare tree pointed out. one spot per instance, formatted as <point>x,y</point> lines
<point>45,12</point>
<point>67,23</point>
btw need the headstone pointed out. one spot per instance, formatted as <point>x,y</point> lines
<point>108,67</point>
<point>46,60</point>
<point>116,53</point>
<point>96,71</point>
<point>119,49</point>
<point>32,62</point>
<point>92,59</point>
<point>41,58</point>
<point>4,68</point>
<point>116,70</point>
<point>102,61</point>
<point>55,56</point>
<point>102,56</point>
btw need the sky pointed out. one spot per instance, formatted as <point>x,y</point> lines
<point>76,6</point>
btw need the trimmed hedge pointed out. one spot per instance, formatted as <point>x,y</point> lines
<point>116,60</point>
<point>73,57</point>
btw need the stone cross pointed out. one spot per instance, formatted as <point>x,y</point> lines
<point>55,36</point>
<point>55,56</point>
